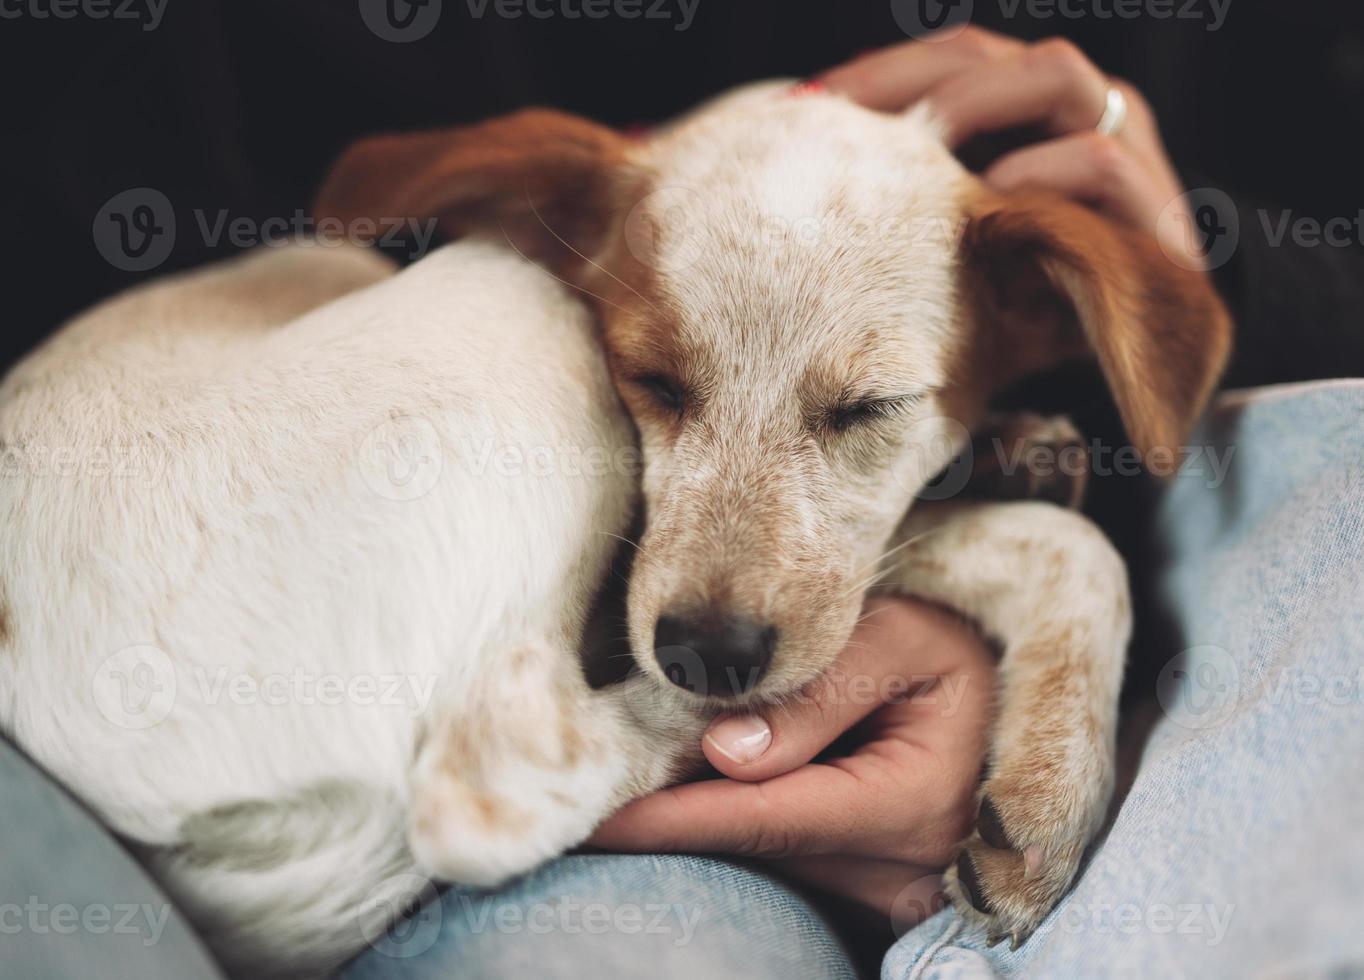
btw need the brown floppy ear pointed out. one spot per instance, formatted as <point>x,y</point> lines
<point>543,177</point>
<point>1056,281</point>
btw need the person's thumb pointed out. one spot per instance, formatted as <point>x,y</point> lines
<point>779,739</point>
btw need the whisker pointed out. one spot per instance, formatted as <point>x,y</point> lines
<point>535,211</point>
<point>570,285</point>
<point>633,544</point>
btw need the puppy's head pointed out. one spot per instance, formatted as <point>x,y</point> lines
<point>806,308</point>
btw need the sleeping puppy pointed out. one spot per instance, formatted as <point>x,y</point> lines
<point>805,309</point>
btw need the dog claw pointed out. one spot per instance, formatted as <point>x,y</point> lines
<point>969,879</point>
<point>991,827</point>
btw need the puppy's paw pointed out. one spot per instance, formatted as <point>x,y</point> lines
<point>521,773</point>
<point>1023,853</point>
<point>474,835</point>
<point>1024,456</point>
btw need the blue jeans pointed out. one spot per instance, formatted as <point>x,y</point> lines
<point>1236,851</point>
<point>613,915</point>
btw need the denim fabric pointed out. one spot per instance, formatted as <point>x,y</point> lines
<point>1238,852</point>
<point>72,903</point>
<point>614,916</point>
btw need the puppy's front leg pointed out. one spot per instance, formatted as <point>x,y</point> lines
<point>1046,584</point>
<point>524,762</point>
<point>515,767</point>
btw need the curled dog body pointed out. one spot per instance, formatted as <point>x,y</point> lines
<point>750,296</point>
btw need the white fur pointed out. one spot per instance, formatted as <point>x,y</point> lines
<point>255,544</point>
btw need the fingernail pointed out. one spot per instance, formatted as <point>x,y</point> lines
<point>742,738</point>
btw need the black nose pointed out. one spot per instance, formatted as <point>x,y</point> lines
<point>718,655</point>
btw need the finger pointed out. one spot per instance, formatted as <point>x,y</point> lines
<point>896,77</point>
<point>869,673</point>
<point>893,654</point>
<point>800,812</point>
<point>893,799</point>
<point>1051,85</point>
<point>1089,167</point>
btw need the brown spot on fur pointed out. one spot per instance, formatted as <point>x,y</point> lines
<point>6,633</point>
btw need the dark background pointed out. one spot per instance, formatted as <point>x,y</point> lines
<point>240,104</point>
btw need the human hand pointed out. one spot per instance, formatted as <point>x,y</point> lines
<point>915,684</point>
<point>979,82</point>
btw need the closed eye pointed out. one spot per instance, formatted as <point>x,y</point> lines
<point>867,411</point>
<point>666,392</point>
